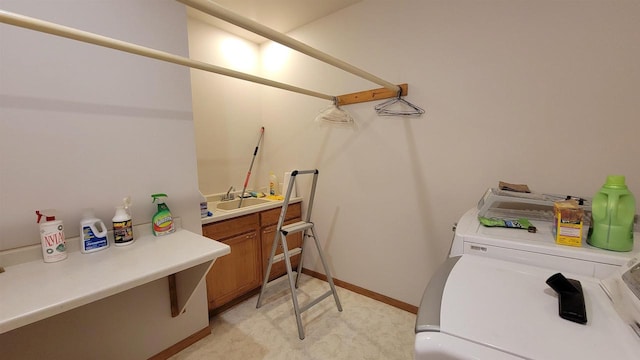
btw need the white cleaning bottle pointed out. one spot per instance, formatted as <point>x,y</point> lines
<point>204,206</point>
<point>93,233</point>
<point>54,247</point>
<point>122,224</point>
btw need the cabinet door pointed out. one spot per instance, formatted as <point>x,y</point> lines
<point>293,241</point>
<point>270,217</point>
<point>235,274</point>
<point>227,228</point>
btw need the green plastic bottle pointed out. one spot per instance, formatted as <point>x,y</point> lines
<point>613,210</point>
<point>162,221</point>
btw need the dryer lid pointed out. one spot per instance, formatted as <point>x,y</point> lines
<point>508,306</point>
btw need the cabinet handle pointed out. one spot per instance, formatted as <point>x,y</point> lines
<point>250,236</point>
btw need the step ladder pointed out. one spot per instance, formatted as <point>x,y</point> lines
<point>307,229</point>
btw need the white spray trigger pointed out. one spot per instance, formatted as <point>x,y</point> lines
<point>126,203</point>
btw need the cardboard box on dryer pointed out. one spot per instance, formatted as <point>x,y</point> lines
<point>569,222</point>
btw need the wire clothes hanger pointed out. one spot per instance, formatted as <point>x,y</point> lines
<point>384,109</point>
<point>335,115</point>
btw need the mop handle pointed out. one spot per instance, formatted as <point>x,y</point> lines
<point>255,152</point>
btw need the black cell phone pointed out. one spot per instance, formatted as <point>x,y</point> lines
<point>570,298</point>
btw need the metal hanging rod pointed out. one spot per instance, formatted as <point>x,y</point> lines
<point>79,35</point>
<point>227,15</point>
<point>389,91</point>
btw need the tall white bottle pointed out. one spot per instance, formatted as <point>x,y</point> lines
<point>54,247</point>
<point>122,224</point>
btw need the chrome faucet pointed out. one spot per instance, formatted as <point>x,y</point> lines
<point>228,195</point>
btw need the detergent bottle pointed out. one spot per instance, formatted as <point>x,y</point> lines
<point>54,247</point>
<point>93,233</point>
<point>613,210</point>
<point>162,221</point>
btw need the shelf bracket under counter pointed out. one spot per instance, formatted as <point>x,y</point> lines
<point>33,290</point>
<point>182,285</point>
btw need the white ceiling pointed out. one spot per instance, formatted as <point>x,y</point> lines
<point>280,15</point>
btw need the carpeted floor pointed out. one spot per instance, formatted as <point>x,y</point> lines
<point>365,329</point>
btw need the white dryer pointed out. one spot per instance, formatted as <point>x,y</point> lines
<point>538,248</point>
<point>476,307</point>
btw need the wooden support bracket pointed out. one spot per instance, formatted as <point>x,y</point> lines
<point>173,295</point>
<point>371,95</point>
<point>183,284</point>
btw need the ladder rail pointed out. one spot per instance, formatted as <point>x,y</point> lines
<point>326,269</point>
<point>299,270</point>
<point>312,192</point>
<point>292,287</point>
<point>277,236</point>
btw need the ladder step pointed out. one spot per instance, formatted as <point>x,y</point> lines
<point>292,252</point>
<point>276,280</point>
<point>317,300</point>
<point>296,227</point>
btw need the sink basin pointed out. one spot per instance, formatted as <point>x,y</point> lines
<point>233,204</point>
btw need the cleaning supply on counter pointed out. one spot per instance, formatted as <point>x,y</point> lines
<point>123,224</point>
<point>54,247</point>
<point>273,184</point>
<point>613,211</point>
<point>93,233</point>
<point>204,207</point>
<point>162,221</point>
<point>506,223</point>
<point>568,222</point>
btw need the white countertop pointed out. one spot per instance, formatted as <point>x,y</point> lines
<point>219,215</point>
<point>35,290</point>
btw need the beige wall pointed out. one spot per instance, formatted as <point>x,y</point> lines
<point>226,111</point>
<point>536,92</point>
<point>83,126</point>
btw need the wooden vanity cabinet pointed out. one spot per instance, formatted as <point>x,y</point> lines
<point>250,238</point>
<point>239,272</point>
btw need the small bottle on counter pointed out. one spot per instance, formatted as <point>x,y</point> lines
<point>122,224</point>
<point>162,222</point>
<point>273,184</point>
<point>54,247</point>
<point>204,207</point>
<point>93,233</point>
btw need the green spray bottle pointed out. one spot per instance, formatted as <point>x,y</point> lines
<point>162,221</point>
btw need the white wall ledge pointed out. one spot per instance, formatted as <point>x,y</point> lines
<point>35,290</point>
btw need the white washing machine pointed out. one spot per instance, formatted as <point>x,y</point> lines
<point>477,307</point>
